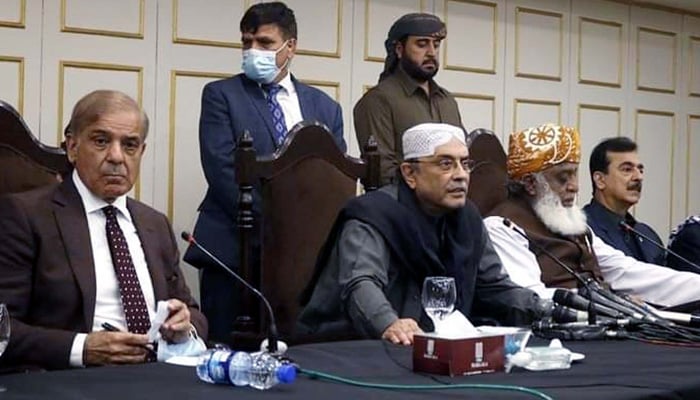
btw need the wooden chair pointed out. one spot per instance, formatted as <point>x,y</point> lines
<point>487,183</point>
<point>26,163</point>
<point>303,186</point>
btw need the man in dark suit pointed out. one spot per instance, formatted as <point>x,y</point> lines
<point>79,255</point>
<point>267,101</point>
<point>617,175</point>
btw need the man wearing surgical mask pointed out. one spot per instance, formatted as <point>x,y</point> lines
<point>267,101</point>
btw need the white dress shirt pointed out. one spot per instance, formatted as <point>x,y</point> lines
<point>289,102</point>
<point>108,305</point>
<point>655,284</point>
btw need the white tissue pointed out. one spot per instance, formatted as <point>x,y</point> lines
<point>162,313</point>
<point>455,326</point>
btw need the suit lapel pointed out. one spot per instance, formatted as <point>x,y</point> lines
<point>150,243</point>
<point>256,97</point>
<point>72,224</point>
<point>307,106</point>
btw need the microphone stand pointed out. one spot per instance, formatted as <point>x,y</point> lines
<point>627,227</point>
<point>587,283</point>
<point>272,329</point>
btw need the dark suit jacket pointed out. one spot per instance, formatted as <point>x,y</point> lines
<point>230,107</point>
<point>605,224</point>
<point>48,275</point>
<point>686,242</point>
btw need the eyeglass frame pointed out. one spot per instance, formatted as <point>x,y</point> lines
<point>448,164</point>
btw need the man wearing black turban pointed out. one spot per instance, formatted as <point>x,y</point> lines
<point>406,94</point>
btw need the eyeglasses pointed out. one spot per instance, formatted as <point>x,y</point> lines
<point>446,164</point>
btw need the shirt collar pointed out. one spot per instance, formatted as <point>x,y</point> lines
<point>611,217</point>
<point>287,83</point>
<point>93,203</point>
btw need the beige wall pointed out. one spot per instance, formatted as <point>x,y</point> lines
<point>609,68</point>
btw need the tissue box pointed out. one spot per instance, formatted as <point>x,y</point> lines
<point>458,356</point>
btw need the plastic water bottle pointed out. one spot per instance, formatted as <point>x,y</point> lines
<point>212,366</point>
<point>260,370</point>
<point>267,371</point>
<point>239,368</point>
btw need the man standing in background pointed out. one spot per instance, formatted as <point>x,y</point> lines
<point>406,94</point>
<point>267,101</point>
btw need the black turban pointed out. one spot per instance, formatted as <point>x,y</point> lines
<point>415,24</point>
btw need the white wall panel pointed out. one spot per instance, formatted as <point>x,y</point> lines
<point>20,55</point>
<point>535,80</point>
<point>332,89</point>
<point>600,40</point>
<point>595,122</point>
<point>694,66</point>
<point>313,18</point>
<point>12,81</point>
<point>656,60</point>
<point>539,43</point>
<point>207,23</point>
<point>466,51</point>
<point>655,70</point>
<point>658,191</point>
<point>123,18</point>
<point>13,13</point>
<point>533,112</point>
<point>186,184</point>
<point>477,111</point>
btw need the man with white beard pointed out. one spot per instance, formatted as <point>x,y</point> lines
<point>542,168</point>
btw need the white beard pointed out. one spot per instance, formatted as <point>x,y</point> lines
<point>567,221</point>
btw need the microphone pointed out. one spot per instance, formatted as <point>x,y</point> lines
<point>573,300</point>
<point>620,304</point>
<point>683,318</point>
<point>596,294</point>
<point>574,331</point>
<point>627,227</point>
<point>272,329</point>
<point>563,314</point>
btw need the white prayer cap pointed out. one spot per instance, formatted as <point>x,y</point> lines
<point>422,139</point>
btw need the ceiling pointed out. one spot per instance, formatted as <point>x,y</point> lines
<point>688,5</point>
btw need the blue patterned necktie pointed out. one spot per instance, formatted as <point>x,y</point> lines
<point>276,111</point>
<point>135,310</point>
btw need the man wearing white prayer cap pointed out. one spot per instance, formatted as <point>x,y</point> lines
<point>370,272</point>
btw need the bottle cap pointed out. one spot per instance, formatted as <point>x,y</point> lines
<point>286,373</point>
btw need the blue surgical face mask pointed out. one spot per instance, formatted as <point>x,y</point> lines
<point>261,65</point>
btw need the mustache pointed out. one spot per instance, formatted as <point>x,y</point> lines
<point>635,186</point>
